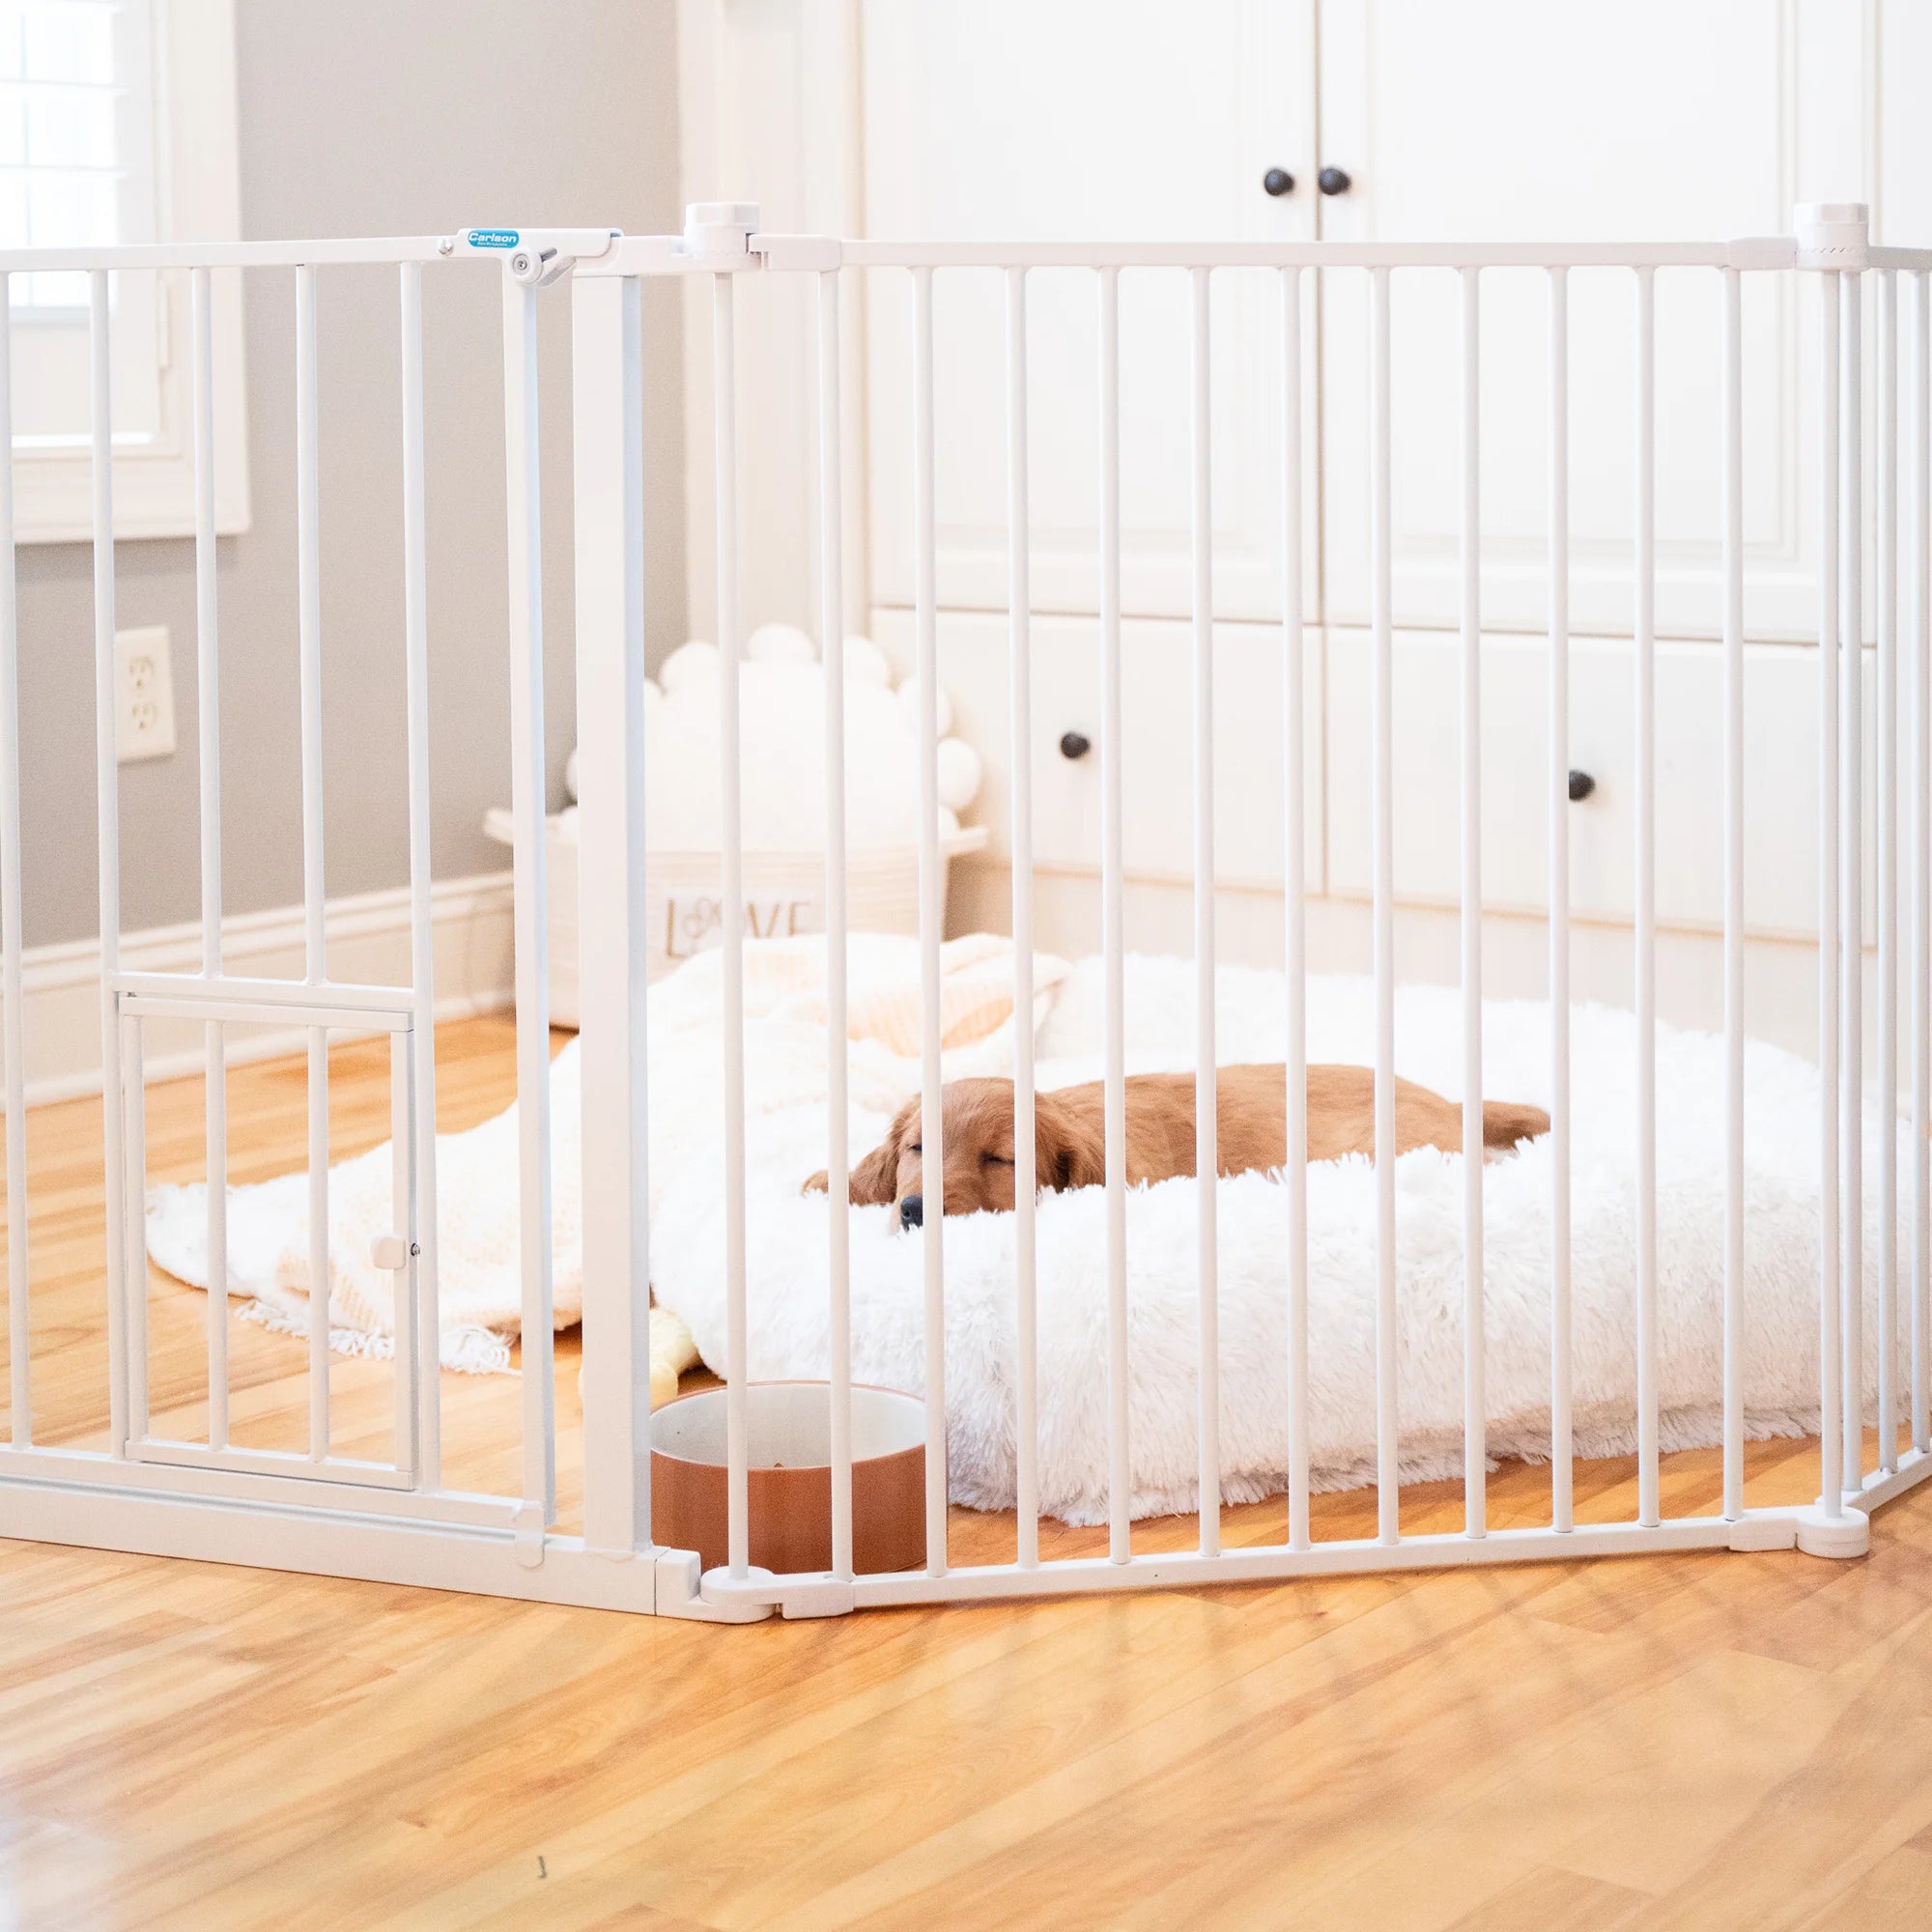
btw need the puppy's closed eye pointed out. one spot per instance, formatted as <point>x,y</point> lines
<point>996,1160</point>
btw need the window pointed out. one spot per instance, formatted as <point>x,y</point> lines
<point>91,92</point>
<point>77,133</point>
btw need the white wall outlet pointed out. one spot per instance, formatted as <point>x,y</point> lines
<point>144,695</point>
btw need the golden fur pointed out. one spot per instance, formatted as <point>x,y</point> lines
<point>976,1128</point>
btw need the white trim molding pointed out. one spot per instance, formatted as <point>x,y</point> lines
<point>368,944</point>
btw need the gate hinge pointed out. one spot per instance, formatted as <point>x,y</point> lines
<point>1833,235</point>
<point>792,1596</point>
<point>726,235</point>
<point>679,1591</point>
<point>720,237</point>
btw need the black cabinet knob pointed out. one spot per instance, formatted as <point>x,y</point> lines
<point>1333,181</point>
<point>1582,784</point>
<point>1278,181</point>
<point>1072,745</point>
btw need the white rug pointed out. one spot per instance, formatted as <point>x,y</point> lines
<point>477,1196</point>
<point>788,1287</point>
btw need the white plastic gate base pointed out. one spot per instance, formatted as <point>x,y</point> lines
<point>43,1503</point>
<point>396,1522</point>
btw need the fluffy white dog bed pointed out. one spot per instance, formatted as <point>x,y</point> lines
<point>788,1275</point>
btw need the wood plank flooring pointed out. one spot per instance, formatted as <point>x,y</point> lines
<point>1712,1741</point>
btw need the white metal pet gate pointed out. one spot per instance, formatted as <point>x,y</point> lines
<point>396,1520</point>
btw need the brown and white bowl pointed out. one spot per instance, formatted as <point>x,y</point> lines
<point>789,1426</point>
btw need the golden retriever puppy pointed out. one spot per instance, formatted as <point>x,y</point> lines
<point>1069,1134</point>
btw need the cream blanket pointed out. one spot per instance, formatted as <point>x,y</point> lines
<point>787,1064</point>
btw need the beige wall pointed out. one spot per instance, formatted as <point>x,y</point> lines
<point>367,117</point>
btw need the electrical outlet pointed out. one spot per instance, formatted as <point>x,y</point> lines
<point>144,695</point>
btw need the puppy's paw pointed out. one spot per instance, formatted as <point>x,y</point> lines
<point>819,1183</point>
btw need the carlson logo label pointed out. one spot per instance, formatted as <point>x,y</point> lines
<point>492,238</point>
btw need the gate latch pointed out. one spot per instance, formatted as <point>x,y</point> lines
<point>536,257</point>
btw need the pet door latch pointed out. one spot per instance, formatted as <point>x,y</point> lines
<point>390,1252</point>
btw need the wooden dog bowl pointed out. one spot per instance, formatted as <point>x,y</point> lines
<point>789,1425</point>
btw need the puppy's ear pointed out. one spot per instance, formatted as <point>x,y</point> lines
<point>875,1181</point>
<point>1071,1150</point>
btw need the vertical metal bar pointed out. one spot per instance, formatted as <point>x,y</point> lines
<point>13,1021</point>
<point>1644,594</point>
<point>525,523</point>
<point>1830,1320</point>
<point>1113,927</point>
<point>609,515</point>
<point>318,1245</point>
<point>107,830</point>
<point>1295,846</point>
<point>1886,515</point>
<point>932,1157</point>
<point>832,630</point>
<point>725,433</point>
<point>1918,788</point>
<point>1851,884</point>
<point>427,1357</point>
<point>134,1187</point>
<point>1734,895</point>
<point>1561,1452</point>
<point>1207,1156</point>
<point>1026,1180</point>
<point>1382,755</point>
<point>402,1218</point>
<point>1475,1397</point>
<point>208,703</point>
<point>308,572</point>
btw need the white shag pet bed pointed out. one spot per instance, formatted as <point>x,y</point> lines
<point>788,1288</point>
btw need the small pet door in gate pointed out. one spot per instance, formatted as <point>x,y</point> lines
<point>261,1405</point>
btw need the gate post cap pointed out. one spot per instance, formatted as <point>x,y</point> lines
<point>718,227</point>
<point>1833,233</point>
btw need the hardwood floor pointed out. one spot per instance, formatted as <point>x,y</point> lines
<point>1713,1741</point>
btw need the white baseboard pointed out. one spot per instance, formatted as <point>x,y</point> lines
<point>368,944</point>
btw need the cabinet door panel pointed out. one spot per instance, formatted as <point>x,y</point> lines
<point>1780,778</point>
<point>1511,120</point>
<point>1085,120</point>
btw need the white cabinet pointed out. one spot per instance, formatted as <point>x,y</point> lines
<point>1513,120</point>
<point>1086,119</point>
<point>1495,119</point>
<point>1506,120</point>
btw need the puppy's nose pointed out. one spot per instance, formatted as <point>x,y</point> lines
<point>912,1210</point>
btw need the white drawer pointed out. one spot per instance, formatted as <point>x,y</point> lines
<point>1156,716</point>
<point>1781,776</point>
